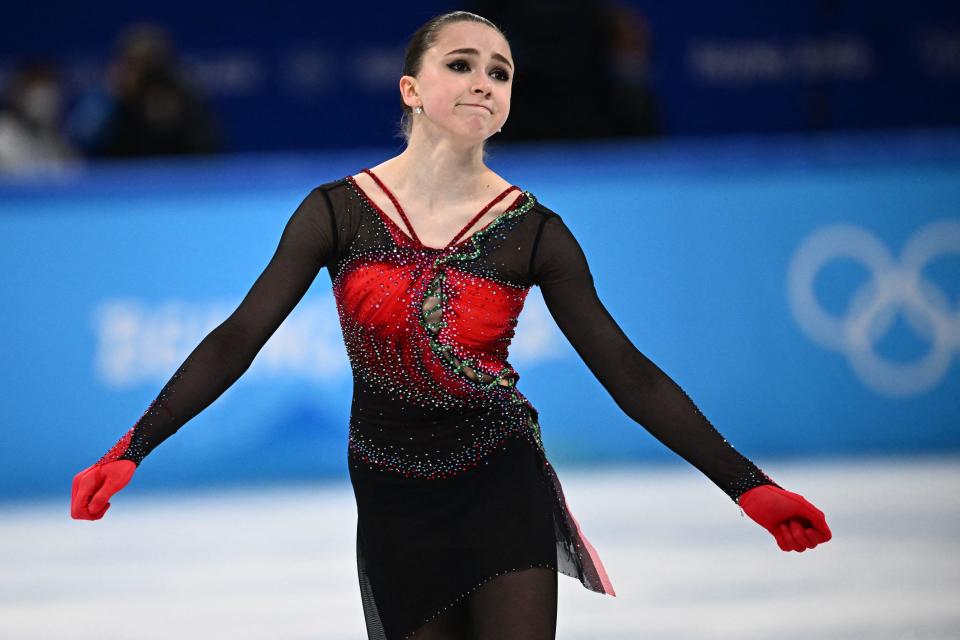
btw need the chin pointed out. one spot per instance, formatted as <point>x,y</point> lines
<point>474,135</point>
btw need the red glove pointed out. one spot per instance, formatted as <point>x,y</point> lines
<point>93,487</point>
<point>795,523</point>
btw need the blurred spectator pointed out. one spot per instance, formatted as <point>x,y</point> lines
<point>634,107</point>
<point>148,107</point>
<point>30,121</point>
<point>561,88</point>
<point>582,69</point>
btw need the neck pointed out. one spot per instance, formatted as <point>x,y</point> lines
<point>438,169</point>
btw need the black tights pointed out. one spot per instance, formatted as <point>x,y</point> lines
<point>520,605</point>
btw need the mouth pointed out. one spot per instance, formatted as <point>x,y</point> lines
<point>478,106</point>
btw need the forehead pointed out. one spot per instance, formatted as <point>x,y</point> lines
<point>465,34</point>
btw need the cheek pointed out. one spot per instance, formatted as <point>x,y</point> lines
<point>445,97</point>
<point>505,102</point>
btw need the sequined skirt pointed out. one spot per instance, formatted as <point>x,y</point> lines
<point>445,502</point>
<point>424,545</point>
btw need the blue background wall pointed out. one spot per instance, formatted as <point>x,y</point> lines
<point>113,273</point>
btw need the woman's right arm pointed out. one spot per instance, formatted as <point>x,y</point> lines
<point>308,243</point>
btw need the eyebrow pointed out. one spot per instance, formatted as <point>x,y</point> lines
<point>474,52</point>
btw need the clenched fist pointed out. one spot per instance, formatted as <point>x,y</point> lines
<point>94,486</point>
<point>796,524</point>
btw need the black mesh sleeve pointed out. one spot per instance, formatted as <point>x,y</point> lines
<point>308,243</point>
<point>644,392</point>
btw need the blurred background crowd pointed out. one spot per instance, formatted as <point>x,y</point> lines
<point>183,79</point>
<point>143,104</point>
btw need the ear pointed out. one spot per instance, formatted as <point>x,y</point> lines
<point>408,91</point>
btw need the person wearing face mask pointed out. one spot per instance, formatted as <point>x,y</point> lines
<point>462,523</point>
<point>30,124</point>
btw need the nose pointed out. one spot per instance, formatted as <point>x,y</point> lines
<point>482,90</point>
<point>483,85</point>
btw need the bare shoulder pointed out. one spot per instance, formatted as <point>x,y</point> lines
<point>383,171</point>
<point>498,182</point>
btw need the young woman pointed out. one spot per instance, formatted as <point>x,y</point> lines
<point>462,522</point>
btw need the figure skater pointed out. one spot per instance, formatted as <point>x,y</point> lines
<point>462,525</point>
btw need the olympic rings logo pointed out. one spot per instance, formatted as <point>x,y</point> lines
<point>892,287</point>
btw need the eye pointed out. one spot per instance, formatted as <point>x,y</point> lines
<point>461,66</point>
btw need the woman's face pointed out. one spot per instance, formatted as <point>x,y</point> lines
<point>464,82</point>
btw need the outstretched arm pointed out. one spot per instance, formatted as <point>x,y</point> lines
<point>308,243</point>
<point>644,392</point>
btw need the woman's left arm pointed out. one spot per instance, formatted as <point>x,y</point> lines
<point>652,399</point>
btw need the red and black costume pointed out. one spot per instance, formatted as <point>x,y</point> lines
<point>451,480</point>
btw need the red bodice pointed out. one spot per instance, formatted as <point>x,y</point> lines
<point>400,306</point>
